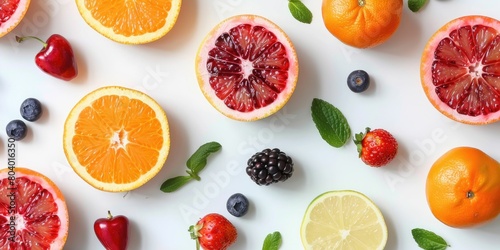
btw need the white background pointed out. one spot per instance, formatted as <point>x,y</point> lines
<point>165,70</point>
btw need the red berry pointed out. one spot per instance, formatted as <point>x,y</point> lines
<point>213,232</point>
<point>376,147</point>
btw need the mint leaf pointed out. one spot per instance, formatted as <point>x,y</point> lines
<point>198,160</point>
<point>272,241</point>
<point>416,5</point>
<point>428,240</point>
<point>175,183</point>
<point>330,122</point>
<point>195,164</point>
<point>300,11</point>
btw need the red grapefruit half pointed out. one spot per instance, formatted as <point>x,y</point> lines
<point>247,67</point>
<point>460,70</point>
<point>11,14</point>
<point>32,210</point>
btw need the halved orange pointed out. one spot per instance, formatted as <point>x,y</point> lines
<point>460,69</point>
<point>116,138</point>
<point>33,211</point>
<point>130,22</point>
<point>247,67</point>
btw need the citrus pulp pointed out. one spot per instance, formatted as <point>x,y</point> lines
<point>463,187</point>
<point>343,219</point>
<point>11,14</point>
<point>116,138</point>
<point>33,212</point>
<point>130,22</point>
<point>247,67</point>
<point>460,70</point>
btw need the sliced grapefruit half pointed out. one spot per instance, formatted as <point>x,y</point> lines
<point>32,210</point>
<point>11,14</point>
<point>247,67</point>
<point>460,70</point>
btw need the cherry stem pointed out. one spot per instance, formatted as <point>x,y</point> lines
<point>21,39</point>
<point>109,215</point>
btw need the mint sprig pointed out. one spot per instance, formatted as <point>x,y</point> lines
<point>428,240</point>
<point>299,11</point>
<point>272,241</point>
<point>416,5</point>
<point>330,122</point>
<point>195,164</point>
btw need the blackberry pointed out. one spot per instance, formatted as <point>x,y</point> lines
<point>269,166</point>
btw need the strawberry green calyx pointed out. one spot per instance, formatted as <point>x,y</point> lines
<point>358,139</point>
<point>195,234</point>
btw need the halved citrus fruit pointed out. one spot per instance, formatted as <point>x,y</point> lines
<point>116,138</point>
<point>33,212</point>
<point>460,70</point>
<point>343,219</point>
<point>130,22</point>
<point>11,14</point>
<point>247,67</point>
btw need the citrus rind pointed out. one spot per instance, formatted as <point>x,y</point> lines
<point>69,132</point>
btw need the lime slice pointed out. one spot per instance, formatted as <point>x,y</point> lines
<point>343,220</point>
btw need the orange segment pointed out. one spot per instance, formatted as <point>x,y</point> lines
<point>116,139</point>
<point>130,22</point>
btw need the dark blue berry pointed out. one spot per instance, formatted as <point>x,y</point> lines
<point>16,129</point>
<point>31,109</point>
<point>237,205</point>
<point>358,81</point>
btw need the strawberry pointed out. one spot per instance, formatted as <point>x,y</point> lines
<point>213,232</point>
<point>376,147</point>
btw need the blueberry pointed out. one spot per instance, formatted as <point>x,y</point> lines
<point>16,129</point>
<point>358,81</point>
<point>237,205</point>
<point>31,109</point>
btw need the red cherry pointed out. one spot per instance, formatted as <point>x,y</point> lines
<point>112,231</point>
<point>56,58</point>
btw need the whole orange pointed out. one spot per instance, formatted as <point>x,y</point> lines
<point>463,187</point>
<point>362,23</point>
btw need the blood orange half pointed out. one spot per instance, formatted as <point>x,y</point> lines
<point>247,67</point>
<point>11,14</point>
<point>33,212</point>
<point>460,70</point>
